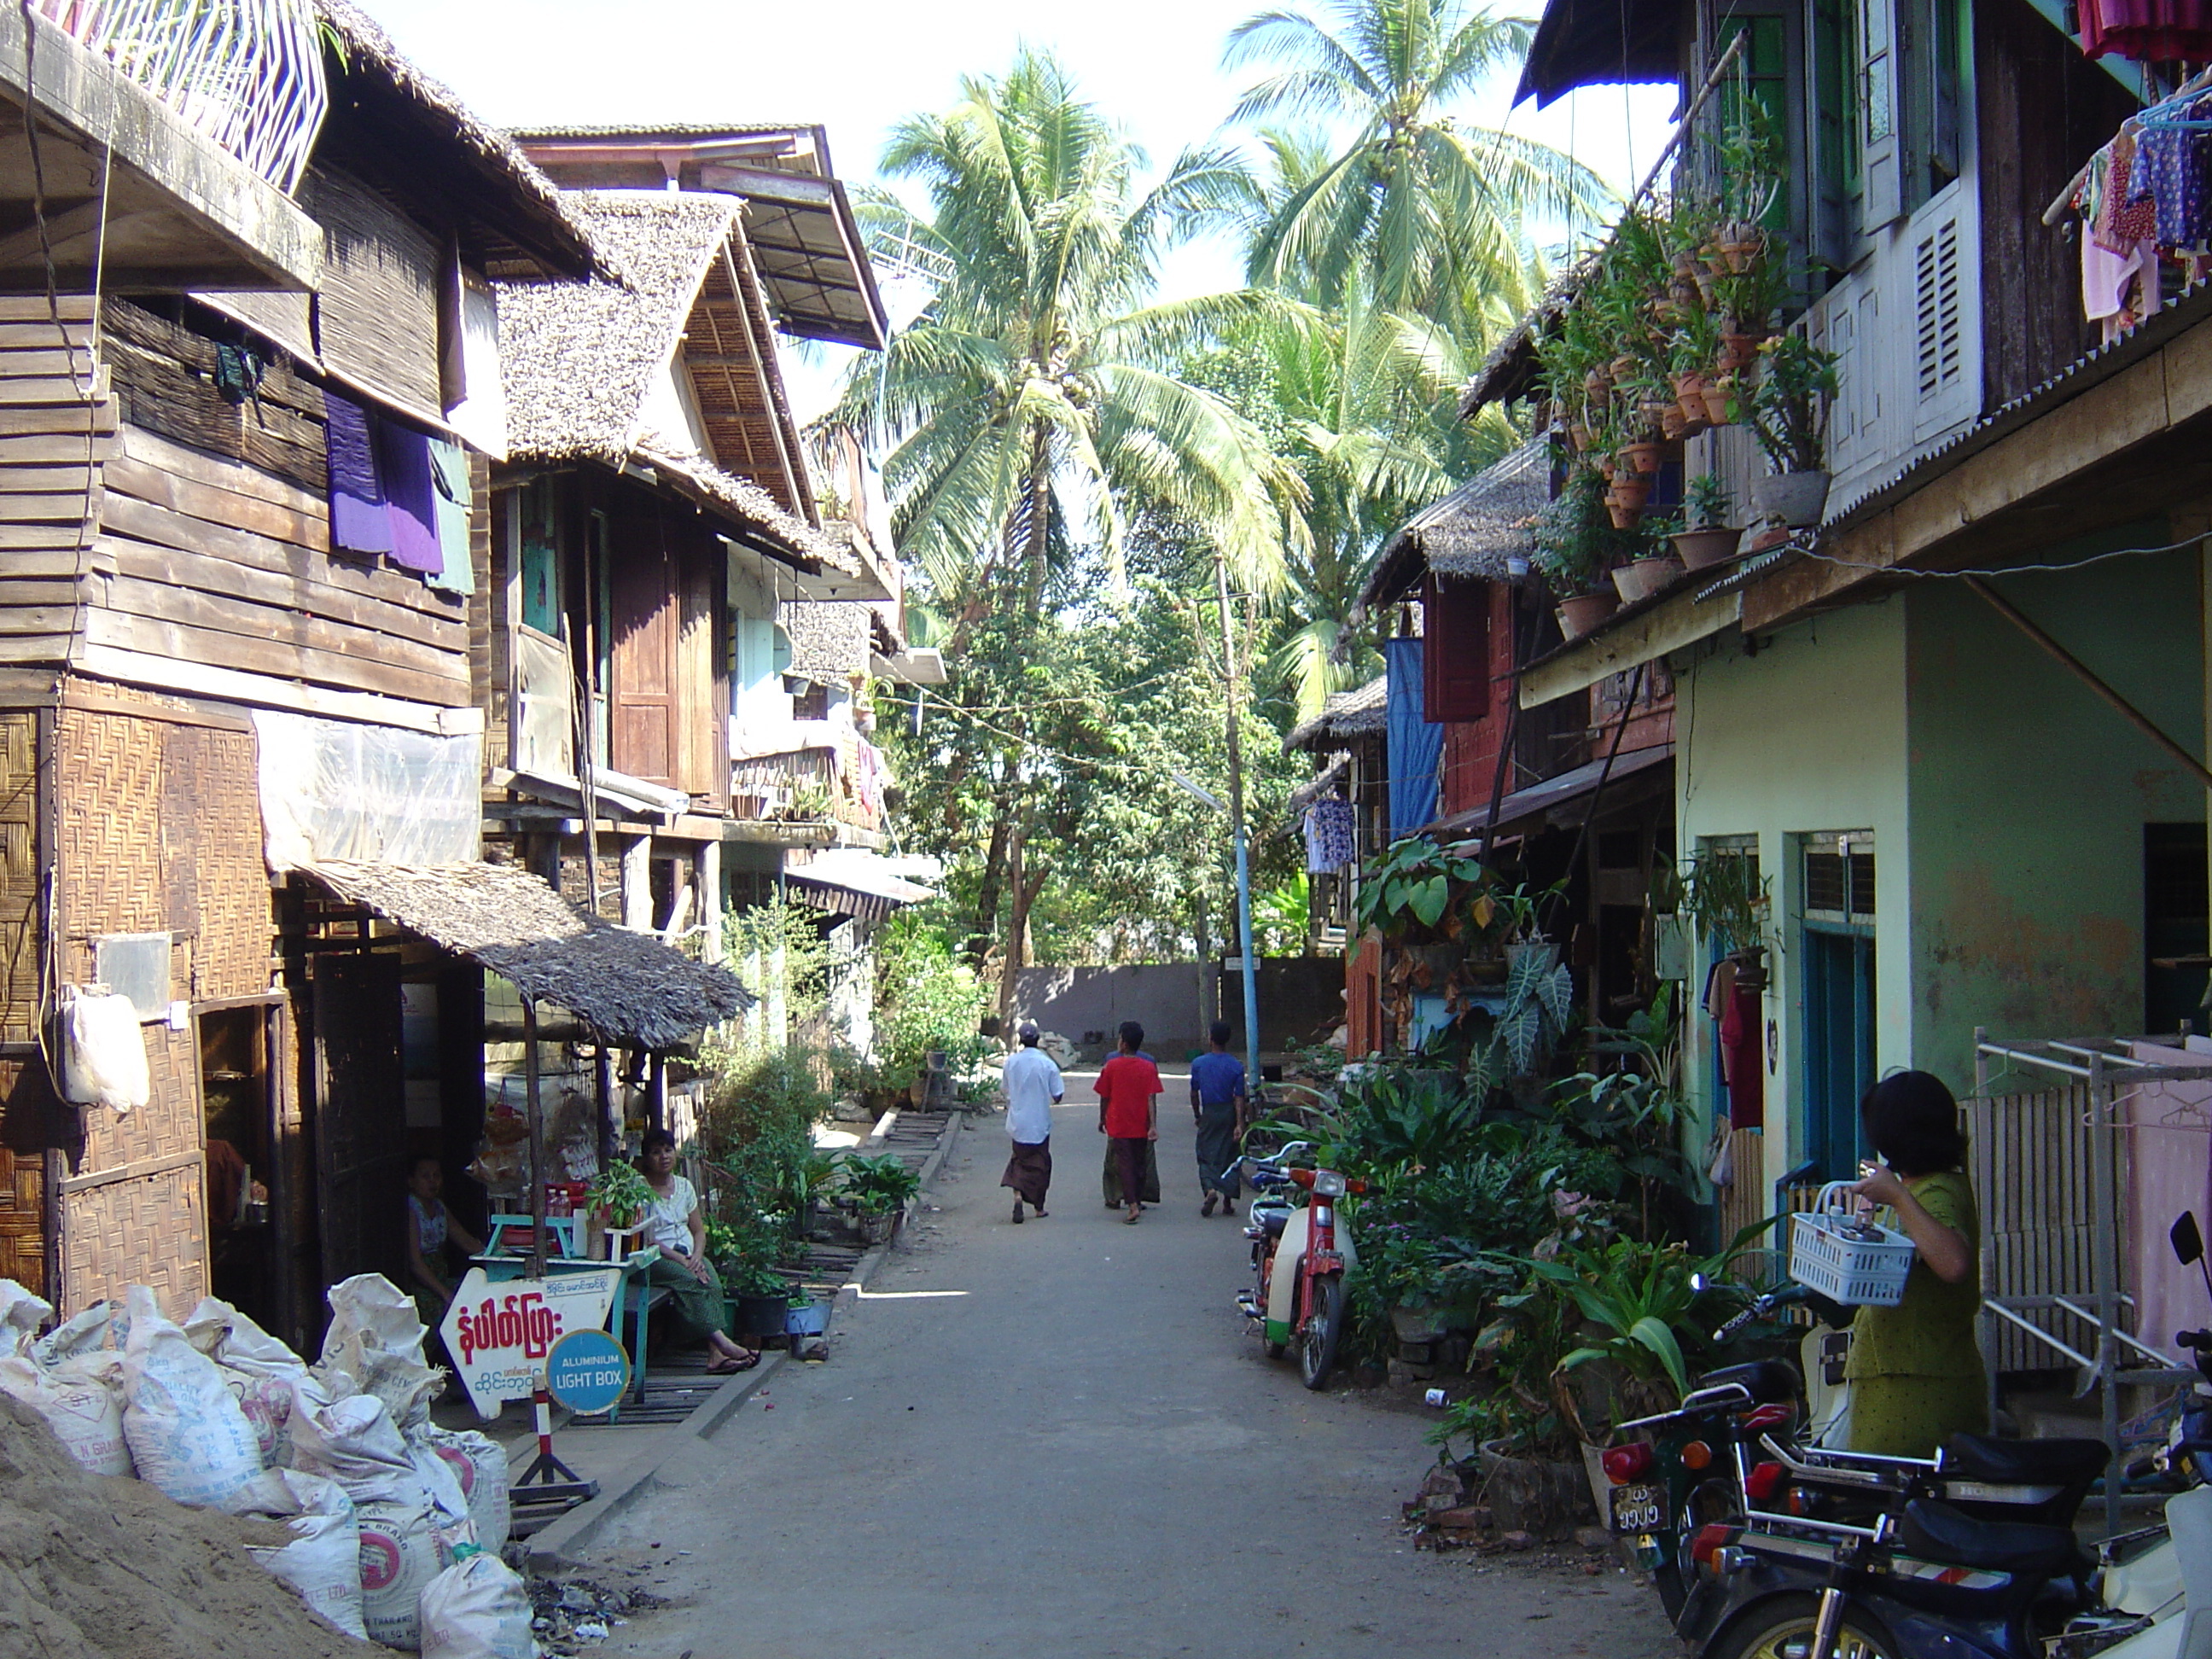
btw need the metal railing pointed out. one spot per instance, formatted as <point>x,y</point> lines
<point>246,74</point>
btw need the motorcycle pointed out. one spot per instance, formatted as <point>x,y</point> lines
<point>1298,1260</point>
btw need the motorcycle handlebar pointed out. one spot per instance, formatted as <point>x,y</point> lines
<point>1760,1305</point>
<point>2198,1339</point>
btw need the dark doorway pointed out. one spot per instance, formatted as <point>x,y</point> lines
<point>240,1160</point>
<point>2177,925</point>
<point>360,1120</point>
<point>1839,1051</point>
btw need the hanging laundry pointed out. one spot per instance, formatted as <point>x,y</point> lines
<point>403,455</point>
<point>360,521</point>
<point>449,474</point>
<point>1331,842</point>
<point>2147,31</point>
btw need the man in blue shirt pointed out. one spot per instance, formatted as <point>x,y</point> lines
<point>1218,1106</point>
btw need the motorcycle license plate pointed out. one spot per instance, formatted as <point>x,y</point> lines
<point>1640,1507</point>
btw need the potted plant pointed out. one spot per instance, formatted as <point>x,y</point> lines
<point>1720,893</point>
<point>804,1315</point>
<point>1708,537</point>
<point>619,1195</point>
<point>1572,544</point>
<point>1789,410</point>
<point>1654,568</point>
<point>759,1297</point>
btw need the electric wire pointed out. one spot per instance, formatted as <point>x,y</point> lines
<point>2045,567</point>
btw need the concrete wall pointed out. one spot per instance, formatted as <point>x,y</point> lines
<point>1806,734</point>
<point>1162,997</point>
<point>2030,795</point>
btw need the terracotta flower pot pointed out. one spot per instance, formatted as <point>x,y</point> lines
<point>1596,383</point>
<point>1643,454</point>
<point>1579,437</point>
<point>1797,499</point>
<point>1738,351</point>
<point>1690,387</point>
<point>1623,514</point>
<point>1621,367</point>
<point>1701,549</point>
<point>1640,580</point>
<point>1672,423</point>
<point>1718,396</point>
<point>1584,612</point>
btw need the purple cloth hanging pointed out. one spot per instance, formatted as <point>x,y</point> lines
<point>412,496</point>
<point>360,522</point>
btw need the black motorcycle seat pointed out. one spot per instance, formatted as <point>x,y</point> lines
<point>1936,1532</point>
<point>1770,1381</point>
<point>1273,1219</point>
<point>2024,1462</point>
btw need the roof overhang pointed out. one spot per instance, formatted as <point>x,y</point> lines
<point>628,987</point>
<point>178,210</point>
<point>920,664</point>
<point>1594,43</point>
<point>1524,805</point>
<point>853,882</point>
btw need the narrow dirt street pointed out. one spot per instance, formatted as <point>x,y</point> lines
<point>1056,1439</point>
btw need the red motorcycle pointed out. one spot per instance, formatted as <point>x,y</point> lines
<point>1298,1261</point>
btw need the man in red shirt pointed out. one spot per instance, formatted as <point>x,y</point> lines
<point>1129,1090</point>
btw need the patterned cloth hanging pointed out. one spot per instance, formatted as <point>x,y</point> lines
<point>1331,843</point>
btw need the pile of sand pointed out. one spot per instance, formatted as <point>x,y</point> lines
<point>96,1566</point>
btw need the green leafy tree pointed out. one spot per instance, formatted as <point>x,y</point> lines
<point>1418,202</point>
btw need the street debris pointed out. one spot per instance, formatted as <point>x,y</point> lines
<point>573,1615</point>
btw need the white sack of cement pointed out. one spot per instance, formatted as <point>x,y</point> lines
<point>477,1608</point>
<point>322,1563</point>
<point>479,1466</point>
<point>260,1371</point>
<point>354,1443</point>
<point>81,1399</point>
<point>375,1341</point>
<point>21,1315</point>
<point>187,1434</point>
<point>99,1326</point>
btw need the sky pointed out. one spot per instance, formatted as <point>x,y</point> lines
<point>856,67</point>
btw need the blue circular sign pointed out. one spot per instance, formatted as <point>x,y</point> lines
<point>587,1371</point>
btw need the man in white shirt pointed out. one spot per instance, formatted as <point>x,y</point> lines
<point>1033,1088</point>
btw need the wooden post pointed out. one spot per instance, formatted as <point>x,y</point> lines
<point>637,883</point>
<point>710,877</point>
<point>603,1096</point>
<point>536,1138</point>
<point>2105,1267</point>
<point>656,1096</point>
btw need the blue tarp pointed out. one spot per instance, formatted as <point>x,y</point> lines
<point>1413,746</point>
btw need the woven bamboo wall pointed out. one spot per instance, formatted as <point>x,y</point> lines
<point>2029,1156</point>
<point>160,832</point>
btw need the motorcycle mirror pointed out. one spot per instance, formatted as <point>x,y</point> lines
<point>2188,1243</point>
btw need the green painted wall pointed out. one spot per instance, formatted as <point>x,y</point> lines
<point>1807,734</point>
<point>2029,795</point>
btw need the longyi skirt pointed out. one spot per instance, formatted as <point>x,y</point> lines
<point>1028,1171</point>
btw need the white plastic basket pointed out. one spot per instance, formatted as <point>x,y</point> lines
<point>1844,1262</point>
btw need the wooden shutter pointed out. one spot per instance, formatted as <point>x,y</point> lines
<point>1456,659</point>
<point>1882,148</point>
<point>376,314</point>
<point>702,690</point>
<point>643,625</point>
<point>1947,333</point>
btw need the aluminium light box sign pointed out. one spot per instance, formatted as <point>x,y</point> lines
<point>499,1333</point>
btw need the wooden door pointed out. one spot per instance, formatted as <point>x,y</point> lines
<point>360,1117</point>
<point>643,627</point>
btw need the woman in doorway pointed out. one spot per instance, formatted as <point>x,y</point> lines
<point>675,1222</point>
<point>1915,1370</point>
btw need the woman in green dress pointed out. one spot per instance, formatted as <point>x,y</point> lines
<point>1915,1370</point>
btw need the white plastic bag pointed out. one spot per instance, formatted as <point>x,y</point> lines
<point>81,1399</point>
<point>480,1465</point>
<point>187,1434</point>
<point>477,1608</point>
<point>103,1051</point>
<point>322,1563</point>
<point>376,1339</point>
<point>353,1441</point>
<point>21,1315</point>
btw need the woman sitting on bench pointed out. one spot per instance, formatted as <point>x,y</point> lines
<point>674,1222</point>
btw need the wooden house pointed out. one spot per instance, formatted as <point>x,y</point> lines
<point>188,638</point>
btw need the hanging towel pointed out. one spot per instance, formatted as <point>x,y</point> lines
<point>449,473</point>
<point>1412,746</point>
<point>1329,843</point>
<point>404,457</point>
<point>359,520</point>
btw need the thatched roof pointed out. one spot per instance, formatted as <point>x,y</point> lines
<point>1346,717</point>
<point>1472,532</point>
<point>1510,370</point>
<point>582,358</point>
<point>628,987</point>
<point>524,224</point>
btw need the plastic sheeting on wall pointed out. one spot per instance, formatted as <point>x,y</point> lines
<point>1413,746</point>
<point>334,789</point>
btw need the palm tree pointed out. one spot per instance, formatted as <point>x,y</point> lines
<point>1040,388</point>
<point>1041,383</point>
<point>1417,201</point>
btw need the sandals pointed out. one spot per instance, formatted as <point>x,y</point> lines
<point>1018,1213</point>
<point>731,1367</point>
<point>1130,1219</point>
<point>1206,1208</point>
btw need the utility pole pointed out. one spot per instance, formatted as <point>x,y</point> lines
<point>1230,681</point>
